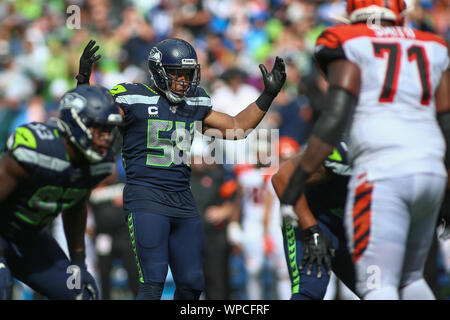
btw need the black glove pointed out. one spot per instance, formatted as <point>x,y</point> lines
<point>88,287</point>
<point>317,250</point>
<point>87,60</point>
<point>273,82</point>
<point>6,280</point>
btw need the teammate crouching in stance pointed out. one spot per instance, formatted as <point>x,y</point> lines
<point>313,230</point>
<point>165,227</point>
<point>50,168</point>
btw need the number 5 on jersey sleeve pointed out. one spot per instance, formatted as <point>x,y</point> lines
<point>394,52</point>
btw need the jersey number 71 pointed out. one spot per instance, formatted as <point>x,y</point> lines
<point>394,52</point>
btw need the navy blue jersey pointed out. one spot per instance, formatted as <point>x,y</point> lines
<point>157,136</point>
<point>330,194</point>
<point>53,186</point>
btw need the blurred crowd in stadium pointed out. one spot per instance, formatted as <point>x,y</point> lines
<point>40,50</point>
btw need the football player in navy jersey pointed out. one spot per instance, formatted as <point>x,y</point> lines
<point>49,168</point>
<point>319,211</point>
<point>164,223</point>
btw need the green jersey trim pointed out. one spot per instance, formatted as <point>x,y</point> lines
<point>24,137</point>
<point>24,218</point>
<point>150,88</point>
<point>292,255</point>
<point>133,244</point>
<point>117,89</point>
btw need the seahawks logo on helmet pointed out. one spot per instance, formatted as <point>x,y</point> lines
<point>73,100</point>
<point>155,55</point>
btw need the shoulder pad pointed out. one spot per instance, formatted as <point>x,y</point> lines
<point>134,93</point>
<point>132,88</point>
<point>328,48</point>
<point>201,92</point>
<point>199,98</point>
<point>33,146</point>
<point>22,136</point>
<point>123,88</point>
<point>429,36</point>
<point>31,136</point>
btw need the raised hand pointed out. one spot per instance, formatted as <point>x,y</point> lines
<point>87,60</point>
<point>274,81</point>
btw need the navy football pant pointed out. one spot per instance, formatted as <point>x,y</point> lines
<point>309,287</point>
<point>41,264</point>
<point>160,241</point>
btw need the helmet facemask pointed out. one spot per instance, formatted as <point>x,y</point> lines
<point>173,85</point>
<point>176,82</point>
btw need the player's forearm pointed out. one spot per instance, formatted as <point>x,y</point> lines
<point>74,227</point>
<point>305,217</point>
<point>340,102</point>
<point>246,120</point>
<point>315,154</point>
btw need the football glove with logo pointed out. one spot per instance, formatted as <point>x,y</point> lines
<point>317,251</point>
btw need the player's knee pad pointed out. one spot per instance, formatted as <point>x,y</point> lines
<point>150,291</point>
<point>187,294</point>
<point>417,290</point>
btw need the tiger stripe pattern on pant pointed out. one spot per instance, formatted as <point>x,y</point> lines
<point>361,217</point>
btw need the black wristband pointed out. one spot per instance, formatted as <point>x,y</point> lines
<point>264,101</point>
<point>295,187</point>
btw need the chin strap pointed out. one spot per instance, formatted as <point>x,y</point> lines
<point>172,97</point>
